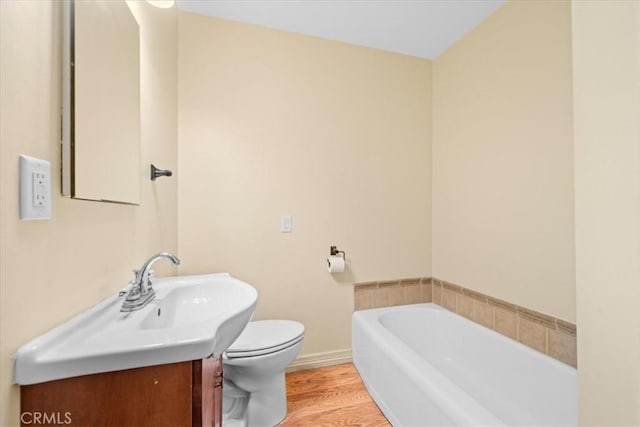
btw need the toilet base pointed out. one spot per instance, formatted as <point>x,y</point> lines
<point>264,408</point>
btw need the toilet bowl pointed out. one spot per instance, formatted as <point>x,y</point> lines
<point>254,392</point>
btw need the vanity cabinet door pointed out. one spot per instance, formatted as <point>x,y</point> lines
<point>156,396</point>
<point>185,394</point>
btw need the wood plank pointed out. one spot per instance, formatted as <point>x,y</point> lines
<point>331,396</point>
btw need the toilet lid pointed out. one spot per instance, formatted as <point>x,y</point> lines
<point>263,352</point>
<point>266,336</point>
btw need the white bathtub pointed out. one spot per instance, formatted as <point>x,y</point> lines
<point>426,366</point>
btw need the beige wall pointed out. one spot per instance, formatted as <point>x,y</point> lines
<point>606,61</point>
<point>51,270</point>
<point>275,123</point>
<point>503,159</point>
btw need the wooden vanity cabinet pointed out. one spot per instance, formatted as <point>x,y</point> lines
<point>184,394</point>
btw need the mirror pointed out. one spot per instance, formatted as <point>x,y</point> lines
<point>101,102</point>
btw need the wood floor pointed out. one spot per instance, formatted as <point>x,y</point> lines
<point>331,396</point>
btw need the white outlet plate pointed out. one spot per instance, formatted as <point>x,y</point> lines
<point>35,188</point>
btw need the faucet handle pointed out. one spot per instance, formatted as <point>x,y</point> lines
<point>129,286</point>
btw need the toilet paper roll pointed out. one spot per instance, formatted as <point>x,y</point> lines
<point>335,264</point>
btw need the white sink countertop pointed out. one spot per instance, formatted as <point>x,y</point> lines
<point>192,317</point>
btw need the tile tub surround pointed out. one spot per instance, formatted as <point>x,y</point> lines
<point>392,292</point>
<point>544,333</point>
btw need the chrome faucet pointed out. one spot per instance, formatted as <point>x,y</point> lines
<point>142,292</point>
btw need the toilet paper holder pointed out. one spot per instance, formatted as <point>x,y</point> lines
<point>333,251</point>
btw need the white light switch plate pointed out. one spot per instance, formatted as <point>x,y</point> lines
<point>286,224</point>
<point>35,188</point>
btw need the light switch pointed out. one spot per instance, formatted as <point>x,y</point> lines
<point>286,224</point>
<point>35,188</point>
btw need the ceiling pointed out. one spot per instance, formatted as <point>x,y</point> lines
<point>422,28</point>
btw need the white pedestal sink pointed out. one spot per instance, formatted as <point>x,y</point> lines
<point>192,317</point>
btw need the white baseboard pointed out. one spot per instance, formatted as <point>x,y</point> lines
<point>320,360</point>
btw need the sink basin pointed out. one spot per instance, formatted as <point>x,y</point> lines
<point>192,317</point>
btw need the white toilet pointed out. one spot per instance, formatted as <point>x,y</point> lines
<point>254,392</point>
